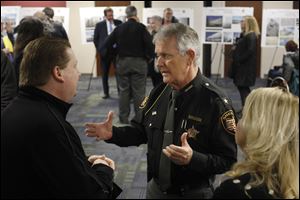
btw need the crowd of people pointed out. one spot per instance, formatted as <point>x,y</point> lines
<point>188,123</point>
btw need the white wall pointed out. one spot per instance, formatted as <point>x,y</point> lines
<point>139,6</point>
<point>85,53</point>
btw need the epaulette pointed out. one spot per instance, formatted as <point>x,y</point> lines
<point>218,91</point>
<point>227,118</point>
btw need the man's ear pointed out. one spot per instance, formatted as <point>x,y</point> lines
<point>57,74</point>
<point>191,56</point>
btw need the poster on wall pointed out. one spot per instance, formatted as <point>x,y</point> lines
<point>184,15</point>
<point>90,16</point>
<point>61,14</point>
<point>10,14</point>
<point>222,25</point>
<point>279,26</point>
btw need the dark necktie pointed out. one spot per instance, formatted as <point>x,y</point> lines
<point>165,162</point>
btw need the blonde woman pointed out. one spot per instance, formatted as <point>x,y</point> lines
<point>268,134</point>
<point>244,57</point>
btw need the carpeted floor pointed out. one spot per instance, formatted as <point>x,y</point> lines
<point>131,165</point>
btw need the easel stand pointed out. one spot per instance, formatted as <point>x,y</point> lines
<point>92,72</point>
<point>220,59</point>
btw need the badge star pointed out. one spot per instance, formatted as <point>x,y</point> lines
<point>226,101</point>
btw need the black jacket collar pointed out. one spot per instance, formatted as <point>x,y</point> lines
<point>33,92</point>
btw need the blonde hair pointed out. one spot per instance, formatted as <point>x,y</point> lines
<point>251,25</point>
<point>270,124</point>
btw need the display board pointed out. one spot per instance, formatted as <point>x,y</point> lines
<point>279,26</point>
<point>14,14</point>
<point>222,25</point>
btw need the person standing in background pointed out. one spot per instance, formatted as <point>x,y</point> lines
<point>59,31</point>
<point>168,17</point>
<point>7,39</point>
<point>155,23</point>
<point>290,66</point>
<point>30,28</point>
<point>102,31</point>
<point>134,51</point>
<point>244,57</point>
<point>8,81</point>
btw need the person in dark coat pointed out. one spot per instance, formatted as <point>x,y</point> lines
<point>202,125</point>
<point>41,154</point>
<point>30,28</point>
<point>270,169</point>
<point>290,60</point>
<point>155,23</point>
<point>59,30</point>
<point>8,81</point>
<point>102,31</point>
<point>244,57</point>
<point>134,49</point>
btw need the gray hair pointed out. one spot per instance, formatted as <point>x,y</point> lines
<point>186,37</point>
<point>131,11</point>
<point>156,18</point>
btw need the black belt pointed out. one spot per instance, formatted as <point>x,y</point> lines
<point>182,189</point>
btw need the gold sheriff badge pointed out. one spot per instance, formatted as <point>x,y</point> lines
<point>192,132</point>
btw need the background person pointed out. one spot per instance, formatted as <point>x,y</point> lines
<point>59,30</point>
<point>244,57</point>
<point>168,17</point>
<point>30,28</point>
<point>134,51</point>
<point>8,81</point>
<point>102,31</point>
<point>155,23</point>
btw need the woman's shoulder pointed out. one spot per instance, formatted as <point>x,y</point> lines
<point>239,188</point>
<point>232,188</point>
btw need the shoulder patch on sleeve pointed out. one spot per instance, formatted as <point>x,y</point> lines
<point>144,102</point>
<point>228,122</point>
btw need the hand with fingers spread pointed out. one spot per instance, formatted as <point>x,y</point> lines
<point>102,130</point>
<point>97,159</point>
<point>180,155</point>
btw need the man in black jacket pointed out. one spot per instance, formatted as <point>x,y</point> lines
<point>201,126</point>
<point>8,81</point>
<point>102,30</point>
<point>59,31</point>
<point>134,50</point>
<point>41,154</point>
